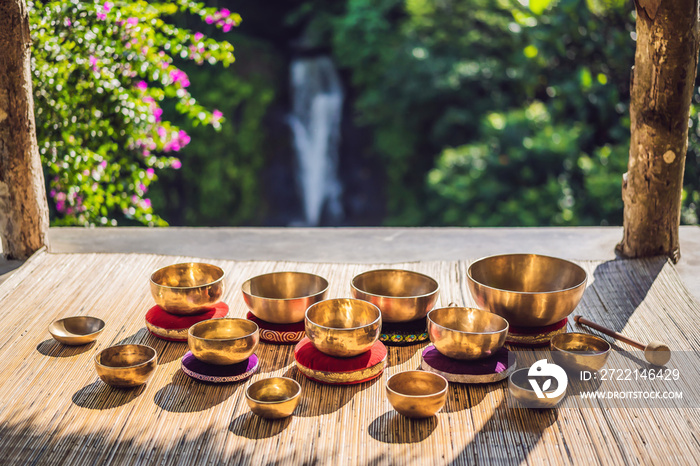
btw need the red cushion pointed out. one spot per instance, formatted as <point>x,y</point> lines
<point>174,327</point>
<point>307,355</point>
<point>278,333</point>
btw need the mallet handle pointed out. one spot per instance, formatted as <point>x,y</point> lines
<point>618,336</point>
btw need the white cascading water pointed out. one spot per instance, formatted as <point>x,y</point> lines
<point>317,104</point>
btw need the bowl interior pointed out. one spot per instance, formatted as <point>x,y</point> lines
<point>416,383</point>
<point>77,326</point>
<point>125,355</point>
<point>273,390</point>
<point>187,275</point>
<point>580,343</point>
<point>468,320</point>
<point>395,283</point>
<point>527,273</point>
<point>223,329</point>
<point>285,285</point>
<point>343,313</point>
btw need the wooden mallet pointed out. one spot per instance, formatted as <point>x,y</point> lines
<point>655,352</point>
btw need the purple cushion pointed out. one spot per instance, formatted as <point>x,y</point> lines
<point>495,364</point>
<point>217,374</point>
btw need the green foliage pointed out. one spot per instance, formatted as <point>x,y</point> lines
<point>101,72</point>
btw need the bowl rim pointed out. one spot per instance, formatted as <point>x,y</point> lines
<point>296,395</point>
<point>431,321</point>
<point>76,335</point>
<point>578,353</point>
<point>257,329</point>
<point>223,275</point>
<point>343,329</point>
<point>430,374</point>
<point>471,278</point>
<point>325,289</point>
<point>145,363</point>
<point>425,295</point>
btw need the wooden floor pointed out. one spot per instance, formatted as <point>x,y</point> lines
<point>54,409</point>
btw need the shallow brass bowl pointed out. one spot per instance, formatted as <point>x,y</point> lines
<point>402,295</point>
<point>520,388</point>
<point>417,393</point>
<point>466,333</point>
<point>223,341</point>
<point>188,288</point>
<point>579,351</point>
<point>528,290</point>
<point>77,330</point>
<point>283,297</point>
<point>126,366</point>
<point>274,397</point>
<point>343,327</point>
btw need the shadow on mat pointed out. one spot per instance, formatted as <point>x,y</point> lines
<point>253,427</point>
<point>391,427</point>
<point>186,395</point>
<point>99,395</point>
<point>168,351</point>
<point>54,349</point>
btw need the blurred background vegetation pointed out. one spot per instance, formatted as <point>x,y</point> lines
<point>456,112</point>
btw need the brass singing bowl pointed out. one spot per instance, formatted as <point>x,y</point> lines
<point>520,388</point>
<point>417,394</point>
<point>188,288</point>
<point>401,295</point>
<point>125,366</point>
<point>274,397</point>
<point>283,297</point>
<point>223,341</point>
<point>77,330</point>
<point>343,327</point>
<point>579,351</point>
<point>528,290</point>
<point>466,333</point>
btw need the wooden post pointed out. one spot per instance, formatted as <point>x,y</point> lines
<point>24,214</point>
<point>663,84</point>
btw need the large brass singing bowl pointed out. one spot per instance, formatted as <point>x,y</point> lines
<point>343,327</point>
<point>223,341</point>
<point>466,333</point>
<point>417,394</point>
<point>519,386</point>
<point>283,297</point>
<point>528,290</point>
<point>579,351</point>
<point>401,295</point>
<point>126,366</point>
<point>273,398</point>
<point>78,330</point>
<point>189,288</point>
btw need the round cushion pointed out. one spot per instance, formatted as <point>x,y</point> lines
<point>323,368</point>
<point>535,336</point>
<point>404,333</point>
<point>492,369</point>
<point>218,374</point>
<point>173,327</point>
<point>281,334</point>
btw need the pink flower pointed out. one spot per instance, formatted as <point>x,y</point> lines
<point>149,100</point>
<point>142,85</point>
<point>198,36</point>
<point>143,187</point>
<point>132,21</point>
<point>67,22</point>
<point>103,164</point>
<point>216,115</point>
<point>180,76</point>
<point>183,138</point>
<point>157,112</point>
<point>52,193</point>
<point>176,164</point>
<point>93,63</point>
<point>227,27</point>
<point>102,16</point>
<point>224,12</point>
<point>107,6</point>
<point>150,173</point>
<point>134,199</point>
<point>209,20</point>
<point>161,132</point>
<point>60,206</point>
<point>147,203</point>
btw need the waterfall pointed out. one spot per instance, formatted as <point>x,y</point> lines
<point>317,103</point>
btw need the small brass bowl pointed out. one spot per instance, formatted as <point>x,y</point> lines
<point>283,297</point>
<point>519,386</point>
<point>400,294</point>
<point>274,397</point>
<point>188,288</point>
<point>223,341</point>
<point>77,330</point>
<point>417,393</point>
<point>126,366</point>
<point>343,327</point>
<point>528,290</point>
<point>579,351</point>
<point>466,333</point>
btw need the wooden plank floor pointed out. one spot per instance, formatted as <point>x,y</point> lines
<point>54,409</point>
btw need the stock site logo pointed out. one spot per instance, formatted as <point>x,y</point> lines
<point>544,369</point>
